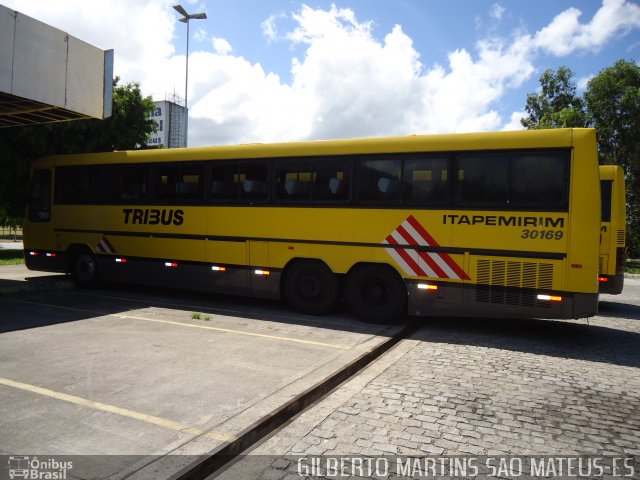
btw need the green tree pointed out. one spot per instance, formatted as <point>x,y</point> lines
<point>556,105</point>
<point>613,104</point>
<point>129,127</point>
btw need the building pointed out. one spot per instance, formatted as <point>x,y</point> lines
<point>170,117</point>
<point>47,75</point>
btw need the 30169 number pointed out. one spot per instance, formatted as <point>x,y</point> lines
<point>542,234</point>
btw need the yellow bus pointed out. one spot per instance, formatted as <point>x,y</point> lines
<point>483,224</point>
<point>612,230</point>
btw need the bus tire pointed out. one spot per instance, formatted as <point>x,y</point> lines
<point>376,294</point>
<point>311,287</point>
<point>84,269</point>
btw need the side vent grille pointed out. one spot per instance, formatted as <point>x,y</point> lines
<point>621,238</point>
<point>501,281</point>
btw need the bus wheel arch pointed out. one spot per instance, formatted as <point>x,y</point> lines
<point>310,286</point>
<point>83,266</point>
<point>376,293</point>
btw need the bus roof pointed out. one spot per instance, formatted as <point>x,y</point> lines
<point>520,139</point>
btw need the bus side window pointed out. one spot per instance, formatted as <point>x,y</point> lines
<point>332,181</point>
<point>40,196</point>
<point>538,180</point>
<point>606,188</point>
<point>166,181</point>
<point>425,181</point>
<point>78,185</point>
<point>179,182</point>
<point>379,180</point>
<point>190,182</point>
<point>294,179</point>
<point>129,184</point>
<point>484,182</point>
<point>224,182</point>
<point>253,178</point>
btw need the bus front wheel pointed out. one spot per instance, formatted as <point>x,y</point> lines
<point>311,287</point>
<point>376,294</point>
<point>84,269</point>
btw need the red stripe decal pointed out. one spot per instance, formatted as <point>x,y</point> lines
<point>421,231</point>
<point>108,244</point>
<point>432,242</point>
<point>407,258</point>
<point>429,261</point>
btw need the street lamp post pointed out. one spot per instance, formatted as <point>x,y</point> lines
<point>185,19</point>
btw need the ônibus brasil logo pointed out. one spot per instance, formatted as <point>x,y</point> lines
<point>22,466</point>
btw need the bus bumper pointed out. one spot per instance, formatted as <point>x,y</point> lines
<point>45,260</point>
<point>496,302</point>
<point>611,284</point>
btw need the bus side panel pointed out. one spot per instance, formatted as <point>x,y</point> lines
<point>613,232</point>
<point>227,266</point>
<point>584,230</point>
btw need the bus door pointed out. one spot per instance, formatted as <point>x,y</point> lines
<point>39,243</point>
<point>38,227</point>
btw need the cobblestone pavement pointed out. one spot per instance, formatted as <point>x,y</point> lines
<point>496,387</point>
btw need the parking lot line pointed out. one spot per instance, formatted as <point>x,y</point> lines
<point>239,332</point>
<point>190,325</point>
<point>161,422</point>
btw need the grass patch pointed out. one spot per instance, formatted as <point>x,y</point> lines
<point>11,257</point>
<point>632,269</point>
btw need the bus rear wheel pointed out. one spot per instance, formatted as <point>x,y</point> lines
<point>311,287</point>
<point>84,269</point>
<point>376,294</point>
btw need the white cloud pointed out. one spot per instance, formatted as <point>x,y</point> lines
<point>221,46</point>
<point>583,83</point>
<point>497,11</point>
<point>565,34</point>
<point>514,121</point>
<point>200,35</point>
<point>269,27</point>
<point>349,84</point>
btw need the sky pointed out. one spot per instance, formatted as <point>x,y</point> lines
<point>285,70</point>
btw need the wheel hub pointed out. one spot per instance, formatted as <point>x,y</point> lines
<point>309,286</point>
